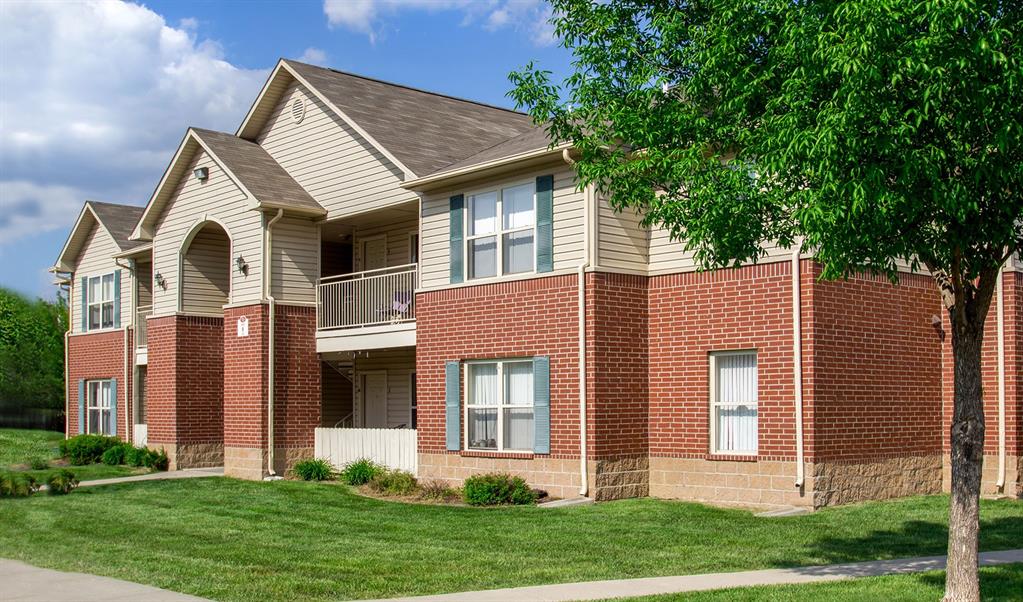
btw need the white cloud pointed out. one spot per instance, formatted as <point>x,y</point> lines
<point>314,56</point>
<point>94,98</point>
<point>369,16</point>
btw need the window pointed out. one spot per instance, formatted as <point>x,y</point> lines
<point>98,403</point>
<point>499,405</point>
<point>414,409</point>
<point>733,392</point>
<point>100,297</point>
<point>502,230</point>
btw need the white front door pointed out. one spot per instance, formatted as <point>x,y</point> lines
<point>374,400</point>
<point>374,253</point>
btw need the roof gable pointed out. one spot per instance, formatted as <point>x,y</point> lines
<point>115,220</point>
<point>421,132</point>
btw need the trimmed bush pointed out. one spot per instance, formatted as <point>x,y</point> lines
<point>86,449</point>
<point>38,464</point>
<point>438,491</point>
<point>394,482</point>
<point>156,460</point>
<point>496,489</point>
<point>62,482</point>
<point>135,456</point>
<point>313,469</point>
<point>115,455</point>
<point>360,472</point>
<point>17,485</point>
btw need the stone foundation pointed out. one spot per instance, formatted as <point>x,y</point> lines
<point>250,463</point>
<point>620,478</point>
<point>559,477</point>
<point>838,483</point>
<point>191,455</point>
<point>989,476</point>
<point>761,483</point>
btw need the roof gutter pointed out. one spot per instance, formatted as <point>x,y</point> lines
<point>427,181</point>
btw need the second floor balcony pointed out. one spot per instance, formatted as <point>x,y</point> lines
<point>373,308</point>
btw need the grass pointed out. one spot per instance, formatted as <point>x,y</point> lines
<point>237,540</point>
<point>997,584</point>
<point>18,447</point>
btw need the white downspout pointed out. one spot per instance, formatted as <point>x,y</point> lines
<point>587,227</point>
<point>129,428</point>
<point>267,271</point>
<point>1000,485</point>
<point>797,362</point>
<point>67,368</point>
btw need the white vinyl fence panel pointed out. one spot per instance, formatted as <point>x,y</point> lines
<point>393,448</point>
<point>141,434</point>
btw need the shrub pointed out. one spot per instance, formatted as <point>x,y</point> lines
<point>38,464</point>
<point>438,491</point>
<point>360,472</point>
<point>394,482</point>
<point>493,489</point>
<point>115,455</point>
<point>135,456</point>
<point>87,449</point>
<point>61,482</point>
<point>313,469</point>
<point>17,485</point>
<point>156,460</point>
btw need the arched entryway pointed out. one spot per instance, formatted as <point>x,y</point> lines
<point>205,283</point>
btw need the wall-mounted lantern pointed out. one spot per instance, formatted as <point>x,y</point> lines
<point>202,173</point>
<point>160,282</point>
<point>243,267</point>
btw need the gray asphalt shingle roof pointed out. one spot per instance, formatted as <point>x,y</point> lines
<point>424,130</point>
<point>534,139</point>
<point>119,220</point>
<point>258,172</point>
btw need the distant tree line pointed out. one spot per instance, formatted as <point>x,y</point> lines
<point>32,360</point>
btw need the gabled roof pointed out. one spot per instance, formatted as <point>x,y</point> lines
<point>117,220</point>
<point>421,131</point>
<point>255,172</point>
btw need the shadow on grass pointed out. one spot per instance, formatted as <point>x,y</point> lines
<point>997,584</point>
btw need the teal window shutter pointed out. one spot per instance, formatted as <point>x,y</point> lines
<point>452,406</point>
<point>81,406</point>
<point>542,405</point>
<point>112,424</point>
<point>85,304</point>
<point>456,251</point>
<point>117,299</point>
<point>545,224</point>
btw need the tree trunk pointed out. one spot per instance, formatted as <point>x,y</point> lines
<point>967,438</point>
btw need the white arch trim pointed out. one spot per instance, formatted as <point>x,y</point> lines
<point>186,242</point>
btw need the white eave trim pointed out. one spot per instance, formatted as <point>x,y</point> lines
<point>61,264</point>
<point>427,181</point>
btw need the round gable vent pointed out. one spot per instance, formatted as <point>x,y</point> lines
<point>297,110</point>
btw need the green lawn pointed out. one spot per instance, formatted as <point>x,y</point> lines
<point>18,447</point>
<point>237,540</point>
<point>997,584</point>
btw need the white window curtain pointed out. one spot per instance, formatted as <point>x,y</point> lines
<point>499,406</point>
<point>484,397</point>
<point>518,394</point>
<point>100,402</point>
<point>735,403</point>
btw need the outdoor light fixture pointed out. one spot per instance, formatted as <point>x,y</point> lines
<point>243,267</point>
<point>202,173</point>
<point>160,281</point>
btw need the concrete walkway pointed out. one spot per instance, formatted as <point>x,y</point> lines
<point>188,473</point>
<point>20,582</point>
<point>601,590</point>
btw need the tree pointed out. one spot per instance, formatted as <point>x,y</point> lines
<point>31,353</point>
<point>868,131</point>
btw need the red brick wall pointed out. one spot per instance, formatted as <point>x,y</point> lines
<point>876,368</point>
<point>297,377</point>
<point>185,378</point>
<point>93,357</point>
<point>693,314</point>
<point>511,319</point>
<point>617,364</point>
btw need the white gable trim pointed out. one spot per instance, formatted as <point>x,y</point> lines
<point>63,265</point>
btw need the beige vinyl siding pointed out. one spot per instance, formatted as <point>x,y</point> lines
<point>399,364</point>
<point>206,272</point>
<point>295,260</point>
<point>218,199</point>
<point>334,164</point>
<point>96,259</point>
<point>397,237</point>
<point>623,242</point>
<point>667,256</point>
<point>144,281</point>
<point>569,230</point>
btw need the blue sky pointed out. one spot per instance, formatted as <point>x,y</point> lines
<point>95,96</point>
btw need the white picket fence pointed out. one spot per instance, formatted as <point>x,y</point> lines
<point>141,431</point>
<point>394,448</point>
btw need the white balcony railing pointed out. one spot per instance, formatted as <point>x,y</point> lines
<point>370,298</point>
<point>141,326</point>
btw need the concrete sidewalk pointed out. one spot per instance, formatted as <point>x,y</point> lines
<point>602,590</point>
<point>20,582</point>
<point>188,473</point>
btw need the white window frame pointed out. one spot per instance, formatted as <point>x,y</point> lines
<point>499,233</point>
<point>90,302</point>
<point>715,405</point>
<point>92,403</point>
<point>500,407</point>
